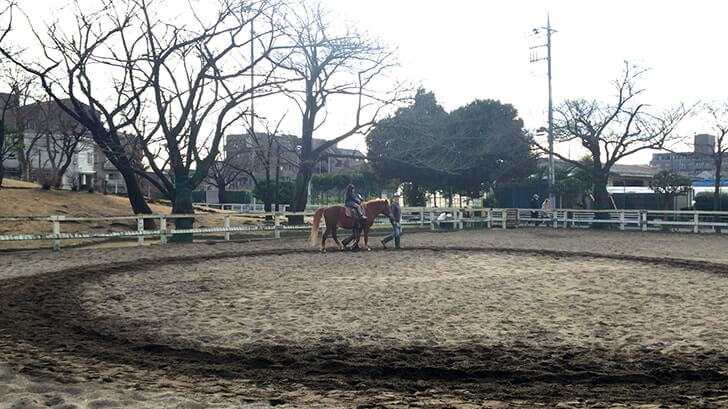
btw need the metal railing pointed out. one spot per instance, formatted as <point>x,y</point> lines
<point>434,218</point>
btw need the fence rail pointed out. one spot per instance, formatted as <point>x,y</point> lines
<point>434,218</point>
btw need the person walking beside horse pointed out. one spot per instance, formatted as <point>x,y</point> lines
<point>396,226</point>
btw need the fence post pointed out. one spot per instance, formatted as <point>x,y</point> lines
<point>56,230</point>
<point>554,216</point>
<point>696,220</point>
<point>621,220</point>
<point>422,217</point>
<point>432,220</point>
<point>504,216</point>
<point>643,220</point>
<point>276,226</point>
<point>488,214</point>
<point>226,225</point>
<point>140,228</point>
<point>162,229</point>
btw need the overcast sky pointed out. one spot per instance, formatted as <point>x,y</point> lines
<point>477,49</point>
<point>468,49</point>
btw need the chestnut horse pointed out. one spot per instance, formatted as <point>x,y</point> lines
<point>336,216</point>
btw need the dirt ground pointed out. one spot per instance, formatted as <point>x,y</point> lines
<point>490,318</point>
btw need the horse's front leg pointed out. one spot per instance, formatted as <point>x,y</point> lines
<point>366,238</point>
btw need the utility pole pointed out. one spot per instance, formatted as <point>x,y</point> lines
<point>534,58</point>
<point>252,81</point>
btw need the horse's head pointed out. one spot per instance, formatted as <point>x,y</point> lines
<point>378,206</point>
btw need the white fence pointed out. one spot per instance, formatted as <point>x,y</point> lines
<point>247,207</point>
<point>432,218</point>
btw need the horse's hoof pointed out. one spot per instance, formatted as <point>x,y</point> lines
<point>323,251</point>
<point>369,249</point>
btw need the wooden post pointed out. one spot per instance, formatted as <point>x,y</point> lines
<point>140,228</point>
<point>162,229</point>
<point>504,217</point>
<point>696,220</point>
<point>432,220</point>
<point>643,220</point>
<point>621,220</point>
<point>422,217</point>
<point>226,225</point>
<point>489,215</point>
<point>554,216</point>
<point>276,226</point>
<point>56,230</point>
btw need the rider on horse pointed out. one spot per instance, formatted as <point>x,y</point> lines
<point>354,200</point>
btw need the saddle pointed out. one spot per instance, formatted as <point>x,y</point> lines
<point>351,213</point>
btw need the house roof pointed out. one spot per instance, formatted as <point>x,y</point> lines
<point>644,171</point>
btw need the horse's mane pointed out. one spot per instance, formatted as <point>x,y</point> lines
<point>374,200</point>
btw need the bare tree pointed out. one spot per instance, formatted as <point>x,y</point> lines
<point>224,171</point>
<point>104,98</point>
<point>7,100</point>
<point>23,140</point>
<point>613,131</point>
<point>175,86</point>
<point>262,157</point>
<point>8,131</point>
<point>718,114</point>
<point>332,66</point>
<point>49,130</point>
<point>194,74</point>
<point>669,185</point>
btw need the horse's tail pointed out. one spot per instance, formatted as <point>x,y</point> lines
<point>313,238</point>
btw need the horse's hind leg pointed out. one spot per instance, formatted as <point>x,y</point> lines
<point>336,239</point>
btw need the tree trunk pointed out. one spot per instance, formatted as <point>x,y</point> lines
<point>136,198</point>
<point>276,198</point>
<point>56,178</point>
<point>601,198</point>
<point>305,171</point>
<point>221,192</point>
<point>182,204</point>
<point>268,206</point>
<point>2,143</point>
<point>716,191</point>
<point>25,167</point>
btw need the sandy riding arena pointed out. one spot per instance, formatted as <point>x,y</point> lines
<point>501,319</point>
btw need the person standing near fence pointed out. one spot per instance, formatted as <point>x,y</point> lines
<point>396,226</point>
<point>534,205</point>
<point>546,210</point>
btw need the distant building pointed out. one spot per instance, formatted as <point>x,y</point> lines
<point>631,175</point>
<point>697,164</point>
<point>43,126</point>
<point>253,154</point>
